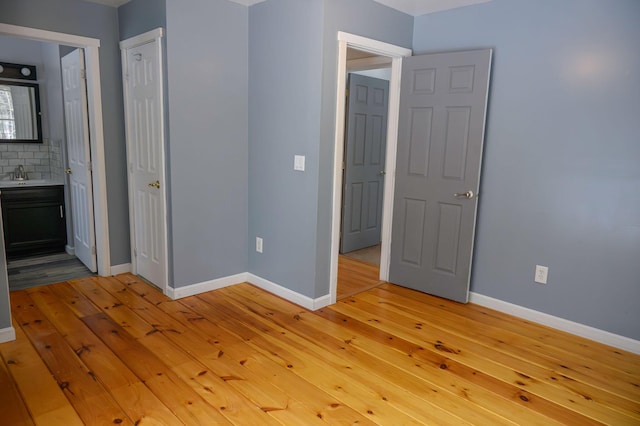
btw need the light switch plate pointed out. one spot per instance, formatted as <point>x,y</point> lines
<point>298,163</point>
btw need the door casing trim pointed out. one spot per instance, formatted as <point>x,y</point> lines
<point>396,53</point>
<point>154,35</point>
<point>96,135</point>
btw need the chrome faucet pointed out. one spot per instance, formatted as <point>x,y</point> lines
<point>20,173</point>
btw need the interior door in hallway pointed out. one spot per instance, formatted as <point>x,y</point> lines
<point>79,157</point>
<point>145,150</point>
<point>443,100</point>
<point>365,149</point>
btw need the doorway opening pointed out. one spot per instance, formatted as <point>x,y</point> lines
<point>380,54</point>
<point>39,264</point>
<point>363,171</point>
<point>437,180</point>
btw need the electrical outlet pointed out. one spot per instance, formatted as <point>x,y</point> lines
<point>259,244</point>
<point>298,163</point>
<point>541,274</point>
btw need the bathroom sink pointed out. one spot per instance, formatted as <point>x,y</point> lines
<point>30,182</point>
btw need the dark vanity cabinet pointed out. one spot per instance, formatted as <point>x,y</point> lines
<point>33,220</point>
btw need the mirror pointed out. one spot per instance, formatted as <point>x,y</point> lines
<point>20,120</point>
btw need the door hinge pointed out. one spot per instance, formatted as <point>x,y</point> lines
<point>135,253</point>
<point>93,250</point>
<point>343,165</point>
<point>89,166</point>
<point>83,74</point>
<point>346,93</point>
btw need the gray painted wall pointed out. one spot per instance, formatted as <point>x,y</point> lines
<point>101,22</point>
<point>207,51</point>
<point>292,82</point>
<point>139,16</point>
<point>562,159</point>
<point>285,58</point>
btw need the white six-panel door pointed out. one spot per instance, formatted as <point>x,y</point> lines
<point>79,157</point>
<point>145,150</point>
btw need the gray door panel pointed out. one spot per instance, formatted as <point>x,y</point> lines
<point>443,102</point>
<point>365,149</point>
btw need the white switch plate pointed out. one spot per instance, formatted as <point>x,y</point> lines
<point>298,163</point>
<point>259,244</point>
<point>542,272</point>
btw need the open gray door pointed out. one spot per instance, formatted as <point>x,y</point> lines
<point>443,102</point>
<point>365,149</point>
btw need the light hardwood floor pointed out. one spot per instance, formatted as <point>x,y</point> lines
<point>356,276</point>
<point>116,351</point>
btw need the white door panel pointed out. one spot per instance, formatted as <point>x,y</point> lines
<point>79,157</point>
<point>145,147</point>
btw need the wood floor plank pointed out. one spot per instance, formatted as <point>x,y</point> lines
<point>474,401</point>
<point>90,400</point>
<point>13,409</point>
<point>103,350</point>
<point>140,404</point>
<point>263,401</point>
<point>355,276</point>
<point>177,395</point>
<point>39,390</point>
<point>476,356</point>
<point>558,369</point>
<point>158,376</point>
<point>380,399</point>
<point>325,407</point>
<point>562,346</point>
<point>212,371</point>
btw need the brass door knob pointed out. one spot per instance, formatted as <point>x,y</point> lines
<point>155,184</point>
<point>67,171</point>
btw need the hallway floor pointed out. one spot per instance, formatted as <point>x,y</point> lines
<point>44,269</point>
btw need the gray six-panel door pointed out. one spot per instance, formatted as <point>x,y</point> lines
<point>365,149</point>
<point>443,100</point>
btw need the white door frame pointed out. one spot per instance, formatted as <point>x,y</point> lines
<point>396,53</point>
<point>149,36</point>
<point>94,101</point>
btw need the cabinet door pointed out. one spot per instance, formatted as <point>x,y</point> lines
<point>35,224</point>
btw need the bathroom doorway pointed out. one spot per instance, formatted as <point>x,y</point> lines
<point>52,267</point>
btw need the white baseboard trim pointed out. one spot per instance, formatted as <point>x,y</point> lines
<point>70,250</point>
<point>120,269</point>
<point>7,334</point>
<point>290,295</point>
<point>578,329</point>
<point>193,289</point>
<point>278,290</point>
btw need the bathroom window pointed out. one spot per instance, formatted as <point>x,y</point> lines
<point>7,117</point>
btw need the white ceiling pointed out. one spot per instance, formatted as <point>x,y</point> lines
<point>411,7</point>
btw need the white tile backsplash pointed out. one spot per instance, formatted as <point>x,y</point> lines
<point>40,161</point>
